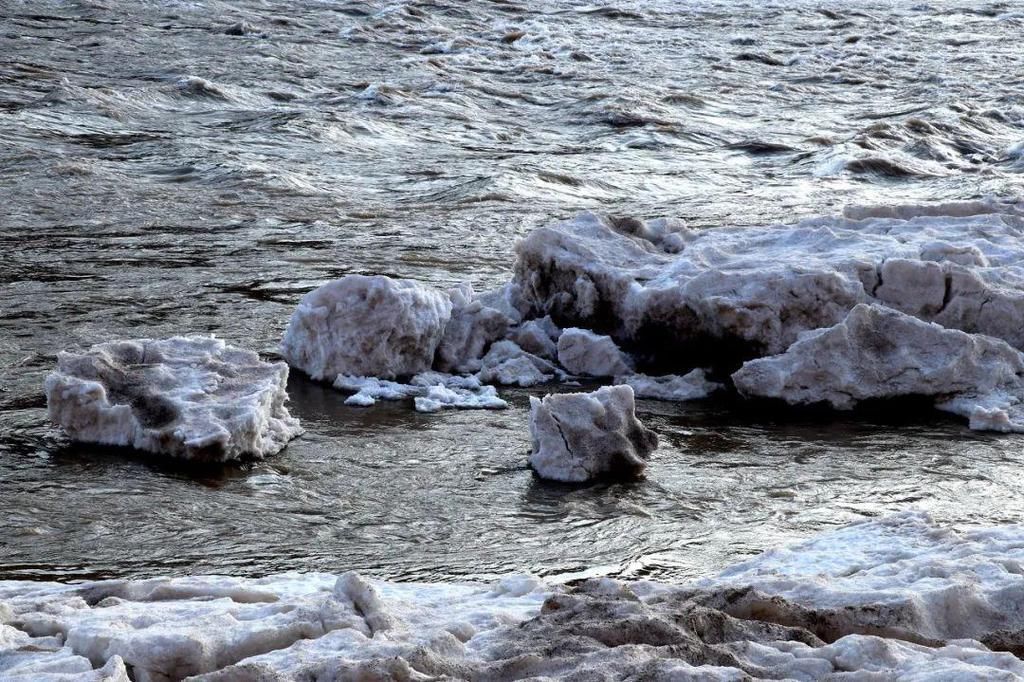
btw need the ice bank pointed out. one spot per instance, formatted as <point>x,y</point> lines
<point>895,598</point>
<point>189,397</point>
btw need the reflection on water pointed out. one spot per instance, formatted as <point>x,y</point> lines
<point>162,175</point>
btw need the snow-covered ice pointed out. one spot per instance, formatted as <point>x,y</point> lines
<point>366,326</point>
<point>509,365</point>
<point>472,328</point>
<point>581,436</point>
<point>693,385</point>
<point>899,597</point>
<point>430,391</point>
<point>189,397</point>
<point>878,352</point>
<point>753,290</point>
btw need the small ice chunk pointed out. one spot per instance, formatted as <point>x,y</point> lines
<point>582,436</point>
<point>690,386</point>
<point>190,397</point>
<point>581,351</point>
<point>368,390</point>
<point>508,364</point>
<point>366,326</point>
<point>431,391</point>
<point>539,337</point>
<point>440,397</point>
<point>472,327</point>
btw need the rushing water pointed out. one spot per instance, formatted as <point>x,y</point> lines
<point>174,167</point>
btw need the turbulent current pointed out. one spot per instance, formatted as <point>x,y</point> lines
<point>195,167</point>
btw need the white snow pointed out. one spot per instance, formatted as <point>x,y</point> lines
<point>189,397</point>
<point>877,352</point>
<point>581,436</point>
<point>693,385</point>
<point>366,326</point>
<point>901,576</point>
<point>583,352</point>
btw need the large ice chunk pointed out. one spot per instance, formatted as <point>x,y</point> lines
<point>738,292</point>
<point>189,397</point>
<point>877,352</point>
<point>582,436</point>
<point>366,326</point>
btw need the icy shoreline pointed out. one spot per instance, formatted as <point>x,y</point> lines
<point>894,597</point>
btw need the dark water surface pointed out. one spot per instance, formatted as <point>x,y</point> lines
<point>162,175</point>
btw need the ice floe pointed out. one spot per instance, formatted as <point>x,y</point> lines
<point>189,397</point>
<point>657,305</point>
<point>582,436</point>
<point>899,597</point>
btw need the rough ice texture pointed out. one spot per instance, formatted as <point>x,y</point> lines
<point>430,391</point>
<point>750,291</point>
<point>693,385</point>
<point>539,337</point>
<point>902,576</point>
<point>877,352</point>
<point>582,351</point>
<point>189,397</point>
<point>472,328</point>
<point>582,436</point>
<point>366,326</point>
<point>508,364</point>
<point>895,598</point>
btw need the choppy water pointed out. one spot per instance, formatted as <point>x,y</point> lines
<point>161,175</point>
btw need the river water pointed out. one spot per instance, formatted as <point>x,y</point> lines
<point>195,167</point>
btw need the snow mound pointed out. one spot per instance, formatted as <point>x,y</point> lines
<point>189,397</point>
<point>877,352</point>
<point>581,436</point>
<point>238,629</point>
<point>366,326</point>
